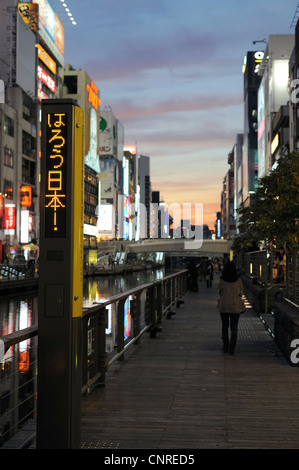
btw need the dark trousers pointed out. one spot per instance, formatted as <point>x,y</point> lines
<point>232,320</point>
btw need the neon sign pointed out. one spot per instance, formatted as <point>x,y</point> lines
<point>10,219</point>
<point>55,195</point>
<point>46,79</point>
<point>93,98</point>
<point>46,59</point>
<point>26,196</point>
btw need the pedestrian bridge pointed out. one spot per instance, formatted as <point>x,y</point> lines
<point>180,391</point>
<point>170,386</point>
<point>169,246</point>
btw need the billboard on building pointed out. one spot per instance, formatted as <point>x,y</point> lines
<point>29,14</point>
<point>25,57</point>
<point>107,131</point>
<point>51,29</point>
<point>107,178</point>
<point>261,131</point>
<point>92,158</point>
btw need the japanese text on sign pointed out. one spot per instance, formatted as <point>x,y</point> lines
<point>55,196</point>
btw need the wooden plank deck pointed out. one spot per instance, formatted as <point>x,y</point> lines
<point>179,391</point>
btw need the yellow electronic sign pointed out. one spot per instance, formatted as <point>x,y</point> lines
<point>56,177</point>
<point>46,59</point>
<point>78,213</point>
<point>62,194</point>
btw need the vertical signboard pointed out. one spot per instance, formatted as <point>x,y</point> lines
<point>60,274</point>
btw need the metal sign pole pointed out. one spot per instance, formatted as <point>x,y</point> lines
<point>60,275</point>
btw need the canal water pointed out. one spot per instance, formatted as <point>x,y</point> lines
<point>21,311</point>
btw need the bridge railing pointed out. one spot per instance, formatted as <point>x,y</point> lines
<point>109,328</point>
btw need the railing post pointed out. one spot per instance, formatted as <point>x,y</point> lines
<point>135,314</point>
<point>120,327</point>
<point>102,359</point>
<point>159,302</point>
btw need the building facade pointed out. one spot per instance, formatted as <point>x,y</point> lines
<point>77,85</point>
<point>31,55</point>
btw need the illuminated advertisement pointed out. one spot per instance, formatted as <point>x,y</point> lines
<point>46,79</point>
<point>51,28</point>
<point>50,19</point>
<point>46,59</point>
<point>29,14</point>
<point>56,166</point>
<point>107,177</point>
<point>261,131</point>
<point>93,97</point>
<point>92,159</point>
<point>26,196</point>
<point>24,237</point>
<point>10,219</point>
<point>107,121</point>
<point>59,34</point>
<point>30,223</point>
<point>126,176</point>
<point>105,220</point>
<point>218,228</point>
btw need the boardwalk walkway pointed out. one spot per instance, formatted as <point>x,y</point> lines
<point>179,391</point>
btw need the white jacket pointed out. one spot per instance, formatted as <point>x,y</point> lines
<point>230,300</point>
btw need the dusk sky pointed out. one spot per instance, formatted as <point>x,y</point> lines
<point>172,73</point>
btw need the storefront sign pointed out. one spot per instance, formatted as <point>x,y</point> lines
<point>26,196</point>
<point>46,59</point>
<point>10,219</point>
<point>93,92</point>
<point>46,79</point>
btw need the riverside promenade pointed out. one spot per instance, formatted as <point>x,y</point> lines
<point>180,391</point>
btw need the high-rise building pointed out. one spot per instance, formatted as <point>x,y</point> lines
<point>77,85</point>
<point>273,95</point>
<point>238,177</point>
<point>111,161</point>
<point>145,194</point>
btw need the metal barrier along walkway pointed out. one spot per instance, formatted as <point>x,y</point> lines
<point>178,390</point>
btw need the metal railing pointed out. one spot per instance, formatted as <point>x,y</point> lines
<point>18,382</point>
<point>112,326</point>
<point>109,328</point>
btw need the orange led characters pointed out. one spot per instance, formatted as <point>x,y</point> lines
<point>93,98</point>
<point>56,165</point>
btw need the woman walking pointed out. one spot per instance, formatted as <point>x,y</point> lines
<point>230,305</point>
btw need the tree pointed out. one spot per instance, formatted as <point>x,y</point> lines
<point>273,217</point>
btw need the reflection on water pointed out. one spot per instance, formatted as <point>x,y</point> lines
<point>19,312</point>
<point>101,288</point>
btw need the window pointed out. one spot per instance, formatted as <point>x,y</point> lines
<point>8,126</point>
<point>8,157</point>
<point>28,171</point>
<point>28,145</point>
<point>8,189</point>
<point>71,84</point>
